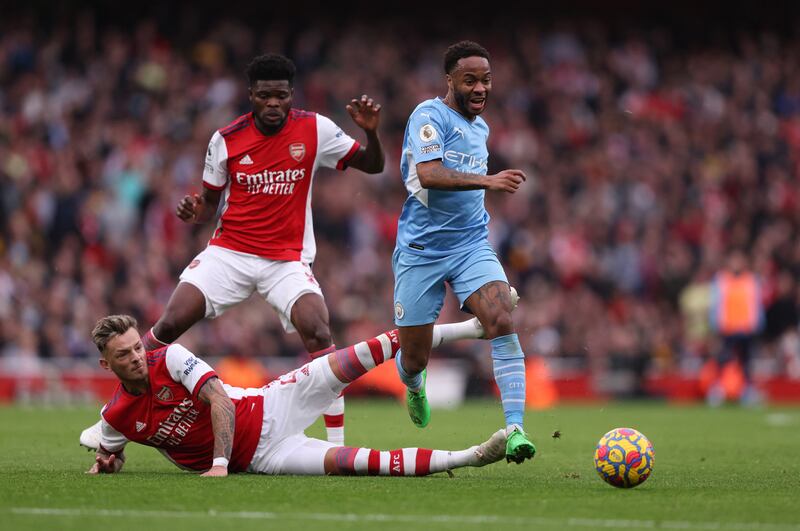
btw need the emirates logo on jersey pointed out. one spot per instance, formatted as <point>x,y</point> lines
<point>171,431</point>
<point>297,151</point>
<point>277,182</point>
<point>165,395</point>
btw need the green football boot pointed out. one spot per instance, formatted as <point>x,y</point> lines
<point>518,447</point>
<point>417,403</point>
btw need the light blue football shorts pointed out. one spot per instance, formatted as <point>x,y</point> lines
<point>419,281</point>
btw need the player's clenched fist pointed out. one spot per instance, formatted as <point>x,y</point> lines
<point>188,207</point>
<point>505,181</point>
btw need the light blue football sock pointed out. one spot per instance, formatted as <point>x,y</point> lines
<point>508,361</point>
<point>412,381</point>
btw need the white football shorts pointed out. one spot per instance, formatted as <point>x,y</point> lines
<point>227,277</point>
<point>291,404</point>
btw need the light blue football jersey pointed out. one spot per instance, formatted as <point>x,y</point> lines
<point>439,222</point>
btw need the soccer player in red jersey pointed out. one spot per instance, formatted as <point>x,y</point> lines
<point>261,168</point>
<point>169,399</point>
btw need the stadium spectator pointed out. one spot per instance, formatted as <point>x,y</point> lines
<point>737,315</point>
<point>648,152</point>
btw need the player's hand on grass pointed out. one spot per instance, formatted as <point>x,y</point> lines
<point>505,181</point>
<point>188,208</point>
<point>105,465</point>
<point>216,472</point>
<point>365,113</point>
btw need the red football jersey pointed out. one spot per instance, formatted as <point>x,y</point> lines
<point>267,182</point>
<point>171,418</point>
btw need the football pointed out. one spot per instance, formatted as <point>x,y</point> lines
<point>624,458</point>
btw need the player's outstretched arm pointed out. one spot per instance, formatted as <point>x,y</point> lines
<point>107,463</point>
<point>434,176</point>
<point>197,208</point>
<point>366,114</point>
<point>223,422</point>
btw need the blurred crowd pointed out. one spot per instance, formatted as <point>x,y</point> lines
<point>649,156</point>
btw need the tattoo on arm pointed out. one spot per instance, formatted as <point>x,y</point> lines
<point>434,176</point>
<point>223,416</point>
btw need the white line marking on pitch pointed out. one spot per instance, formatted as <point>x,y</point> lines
<point>781,420</point>
<point>410,518</point>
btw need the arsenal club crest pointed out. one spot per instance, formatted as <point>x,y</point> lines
<point>297,151</point>
<point>165,394</point>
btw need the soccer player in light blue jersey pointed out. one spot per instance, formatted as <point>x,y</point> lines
<point>442,238</point>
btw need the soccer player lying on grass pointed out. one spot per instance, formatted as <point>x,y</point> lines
<point>173,401</point>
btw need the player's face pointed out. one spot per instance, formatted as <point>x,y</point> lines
<point>470,83</point>
<point>125,356</point>
<point>271,102</point>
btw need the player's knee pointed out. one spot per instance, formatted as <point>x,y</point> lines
<point>414,361</point>
<point>316,336</point>
<point>499,324</point>
<point>169,328</point>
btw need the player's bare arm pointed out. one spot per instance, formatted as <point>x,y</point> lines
<point>223,422</point>
<point>366,114</point>
<point>435,176</point>
<point>197,208</point>
<point>107,462</point>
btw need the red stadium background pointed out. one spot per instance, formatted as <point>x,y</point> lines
<point>656,141</point>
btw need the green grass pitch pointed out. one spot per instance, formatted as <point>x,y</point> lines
<point>714,469</point>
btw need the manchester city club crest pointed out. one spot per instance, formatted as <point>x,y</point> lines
<point>297,151</point>
<point>399,311</point>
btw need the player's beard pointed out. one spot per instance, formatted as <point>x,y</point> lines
<point>462,101</point>
<point>271,127</point>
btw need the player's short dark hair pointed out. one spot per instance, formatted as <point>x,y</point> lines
<point>110,327</point>
<point>271,67</point>
<point>461,50</point>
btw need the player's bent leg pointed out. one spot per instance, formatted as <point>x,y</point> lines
<point>334,415</point>
<point>310,317</point>
<point>411,363</point>
<point>492,305</point>
<point>186,306</point>
<point>475,322</point>
<point>346,365</point>
<point>298,398</point>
